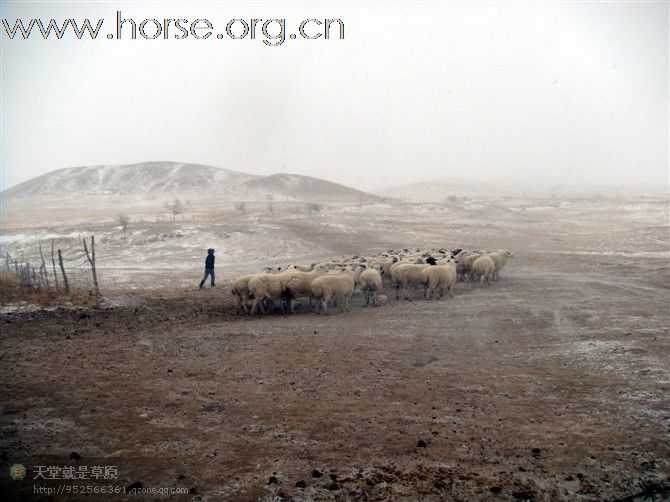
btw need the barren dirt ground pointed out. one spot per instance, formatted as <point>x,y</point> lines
<point>551,384</point>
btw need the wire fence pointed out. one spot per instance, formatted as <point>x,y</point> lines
<point>71,270</point>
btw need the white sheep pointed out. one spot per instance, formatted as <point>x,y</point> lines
<point>304,268</point>
<point>484,267</point>
<point>357,269</point>
<point>386,265</point>
<point>331,265</point>
<point>272,270</point>
<point>268,287</point>
<point>395,265</point>
<point>339,287</point>
<point>464,261</point>
<point>505,254</point>
<point>300,284</point>
<point>438,278</point>
<point>499,259</point>
<point>240,289</point>
<point>371,282</point>
<point>405,275</point>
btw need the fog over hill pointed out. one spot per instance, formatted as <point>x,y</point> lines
<point>440,189</point>
<point>162,179</point>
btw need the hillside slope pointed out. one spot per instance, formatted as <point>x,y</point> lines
<point>162,179</point>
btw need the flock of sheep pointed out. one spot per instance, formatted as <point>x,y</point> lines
<point>434,270</point>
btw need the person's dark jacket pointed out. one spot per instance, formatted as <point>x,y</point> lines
<point>209,261</point>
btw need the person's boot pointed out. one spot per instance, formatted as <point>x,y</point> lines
<point>202,283</point>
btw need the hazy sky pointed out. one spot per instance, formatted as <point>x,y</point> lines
<point>528,92</point>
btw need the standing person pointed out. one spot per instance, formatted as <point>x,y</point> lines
<point>209,267</point>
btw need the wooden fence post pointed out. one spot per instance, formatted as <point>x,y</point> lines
<point>43,268</point>
<point>91,259</point>
<point>62,270</point>
<point>53,263</point>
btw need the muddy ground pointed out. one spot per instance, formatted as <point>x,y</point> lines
<point>551,384</point>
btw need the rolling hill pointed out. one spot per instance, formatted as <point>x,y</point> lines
<point>437,190</point>
<point>161,179</point>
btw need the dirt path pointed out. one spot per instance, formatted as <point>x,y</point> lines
<point>551,384</point>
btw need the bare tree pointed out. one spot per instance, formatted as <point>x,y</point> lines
<point>123,221</point>
<point>269,199</point>
<point>176,207</point>
<point>240,207</point>
<point>313,209</point>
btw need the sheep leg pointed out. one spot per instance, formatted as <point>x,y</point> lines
<point>397,290</point>
<point>451,294</point>
<point>254,306</point>
<point>426,293</point>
